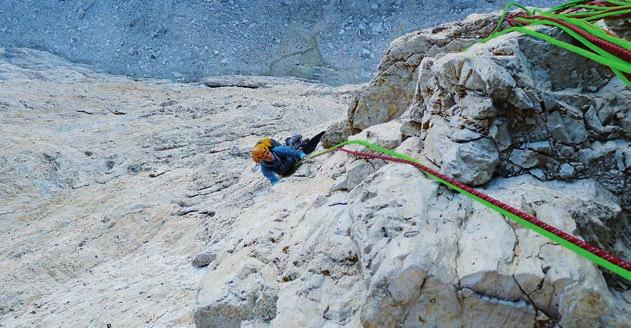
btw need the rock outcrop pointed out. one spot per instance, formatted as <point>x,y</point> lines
<point>390,92</point>
<point>535,126</point>
<point>524,113</point>
<point>513,106</point>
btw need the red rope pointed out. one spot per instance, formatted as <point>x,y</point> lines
<point>612,48</point>
<point>593,3</point>
<point>592,249</point>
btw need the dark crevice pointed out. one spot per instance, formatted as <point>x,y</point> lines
<point>530,300</point>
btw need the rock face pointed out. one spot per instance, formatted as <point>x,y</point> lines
<point>343,242</point>
<point>111,186</point>
<point>503,103</point>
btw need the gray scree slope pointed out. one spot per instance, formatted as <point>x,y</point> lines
<point>335,41</point>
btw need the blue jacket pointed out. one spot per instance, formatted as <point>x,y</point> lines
<point>284,160</point>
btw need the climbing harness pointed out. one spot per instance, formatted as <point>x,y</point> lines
<point>577,18</point>
<point>590,252</point>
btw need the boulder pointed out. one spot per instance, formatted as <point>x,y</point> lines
<point>471,162</point>
<point>202,260</point>
<point>336,133</point>
<point>386,135</point>
<point>524,158</point>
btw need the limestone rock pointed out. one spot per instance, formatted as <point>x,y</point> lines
<point>557,128</point>
<point>239,81</point>
<point>247,296</point>
<point>542,147</point>
<point>474,73</point>
<point>503,91</point>
<point>566,171</point>
<point>501,108</point>
<point>358,170</point>
<point>478,114</point>
<point>390,92</point>
<point>487,237</point>
<point>464,135</point>
<point>591,117</point>
<point>472,162</point>
<point>335,134</point>
<point>524,158</point>
<point>437,141</point>
<point>202,260</point>
<point>416,278</point>
<point>477,108</point>
<point>520,99</point>
<point>386,135</point>
<point>501,134</point>
<point>519,313</point>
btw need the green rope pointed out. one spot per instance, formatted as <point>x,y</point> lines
<point>598,32</point>
<point>567,5</point>
<point>619,3</point>
<point>609,14</point>
<point>606,55</point>
<point>507,8</point>
<point>597,58</point>
<point>578,250</point>
<point>587,14</point>
<point>580,38</point>
<point>596,8</point>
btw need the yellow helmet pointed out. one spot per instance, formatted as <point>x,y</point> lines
<point>261,149</point>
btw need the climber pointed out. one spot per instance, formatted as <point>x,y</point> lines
<point>276,159</point>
